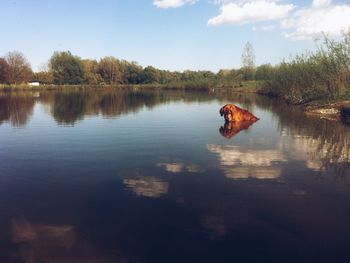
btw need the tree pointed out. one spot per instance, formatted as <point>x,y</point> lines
<point>109,69</point>
<point>18,68</point>
<point>133,73</point>
<point>248,56</point>
<point>248,62</point>
<point>66,68</point>
<point>3,70</point>
<point>188,75</point>
<point>44,77</point>
<point>150,75</point>
<point>91,68</point>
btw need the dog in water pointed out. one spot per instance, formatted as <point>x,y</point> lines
<point>233,113</point>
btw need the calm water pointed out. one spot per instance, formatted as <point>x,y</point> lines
<point>145,176</point>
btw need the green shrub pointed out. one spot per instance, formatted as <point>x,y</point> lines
<point>323,74</point>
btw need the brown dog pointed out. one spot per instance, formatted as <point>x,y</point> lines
<point>236,114</point>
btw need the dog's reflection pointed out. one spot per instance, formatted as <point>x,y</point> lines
<point>230,129</point>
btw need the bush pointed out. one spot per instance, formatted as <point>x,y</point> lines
<point>323,74</point>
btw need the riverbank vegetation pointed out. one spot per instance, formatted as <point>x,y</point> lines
<point>313,77</point>
<point>319,76</point>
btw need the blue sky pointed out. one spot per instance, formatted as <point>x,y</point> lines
<point>168,34</point>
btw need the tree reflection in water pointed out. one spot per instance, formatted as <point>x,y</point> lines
<point>16,108</point>
<point>68,216</point>
<point>54,243</point>
<point>69,107</point>
<point>326,144</point>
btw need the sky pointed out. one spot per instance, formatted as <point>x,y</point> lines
<point>169,34</point>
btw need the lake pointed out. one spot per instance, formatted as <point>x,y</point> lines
<point>101,175</point>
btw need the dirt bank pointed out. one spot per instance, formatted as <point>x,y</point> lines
<point>339,110</point>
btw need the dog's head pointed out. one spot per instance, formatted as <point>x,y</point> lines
<point>228,111</point>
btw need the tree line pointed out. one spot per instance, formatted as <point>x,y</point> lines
<point>318,75</point>
<point>64,68</point>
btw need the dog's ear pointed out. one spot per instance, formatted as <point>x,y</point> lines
<point>222,111</point>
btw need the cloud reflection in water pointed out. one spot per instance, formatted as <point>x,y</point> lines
<point>177,167</point>
<point>238,163</point>
<point>147,186</point>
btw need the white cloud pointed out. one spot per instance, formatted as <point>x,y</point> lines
<point>219,2</point>
<point>322,16</point>
<point>172,3</point>
<point>250,11</point>
<point>264,28</point>
<point>321,3</point>
<point>268,28</point>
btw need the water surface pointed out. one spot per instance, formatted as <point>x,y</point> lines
<point>156,176</point>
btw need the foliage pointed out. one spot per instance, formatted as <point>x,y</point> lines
<point>150,75</point>
<point>66,68</point>
<point>15,69</point>
<point>323,74</point>
<point>132,73</point>
<point>110,70</point>
<point>91,72</point>
<point>264,72</point>
<point>43,77</point>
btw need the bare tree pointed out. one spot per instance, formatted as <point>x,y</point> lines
<point>248,61</point>
<point>19,69</point>
<point>248,56</point>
